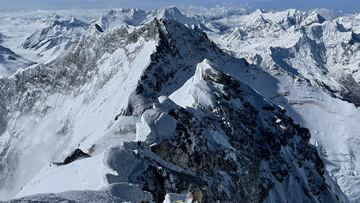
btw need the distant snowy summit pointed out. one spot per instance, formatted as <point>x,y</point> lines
<point>160,106</point>
<point>138,17</point>
<point>58,35</point>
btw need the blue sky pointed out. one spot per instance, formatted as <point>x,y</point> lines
<point>345,5</point>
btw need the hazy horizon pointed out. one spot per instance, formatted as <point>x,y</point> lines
<point>344,5</point>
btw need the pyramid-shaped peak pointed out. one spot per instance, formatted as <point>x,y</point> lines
<point>173,9</point>
<point>173,13</point>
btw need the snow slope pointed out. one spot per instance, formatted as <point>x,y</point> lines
<point>51,118</point>
<point>17,27</point>
<point>11,62</point>
<point>118,96</point>
<point>135,17</point>
<point>313,66</point>
<point>57,36</point>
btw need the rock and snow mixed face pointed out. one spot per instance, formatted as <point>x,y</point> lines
<point>11,62</point>
<point>313,68</point>
<point>119,97</point>
<point>35,38</point>
<point>57,36</point>
<point>130,18</point>
<point>159,113</point>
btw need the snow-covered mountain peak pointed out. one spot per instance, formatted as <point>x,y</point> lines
<point>73,72</point>
<point>314,17</point>
<point>143,106</point>
<point>122,17</point>
<point>52,17</point>
<point>174,13</point>
<point>270,21</point>
<point>320,52</point>
<point>59,34</point>
<point>70,22</point>
<point>137,17</point>
<point>99,64</point>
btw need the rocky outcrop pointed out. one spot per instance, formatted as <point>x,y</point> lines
<point>225,142</point>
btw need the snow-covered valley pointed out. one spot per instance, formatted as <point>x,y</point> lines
<point>160,106</point>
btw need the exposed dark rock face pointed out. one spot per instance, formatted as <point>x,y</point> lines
<point>351,90</point>
<point>76,155</point>
<point>239,148</point>
<point>178,52</point>
<point>235,173</point>
<point>99,28</point>
<point>263,146</point>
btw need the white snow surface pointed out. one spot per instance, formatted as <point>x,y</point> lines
<point>295,57</point>
<point>85,174</point>
<point>47,136</point>
<point>298,57</point>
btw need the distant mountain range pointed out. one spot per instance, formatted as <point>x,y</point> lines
<point>160,106</point>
